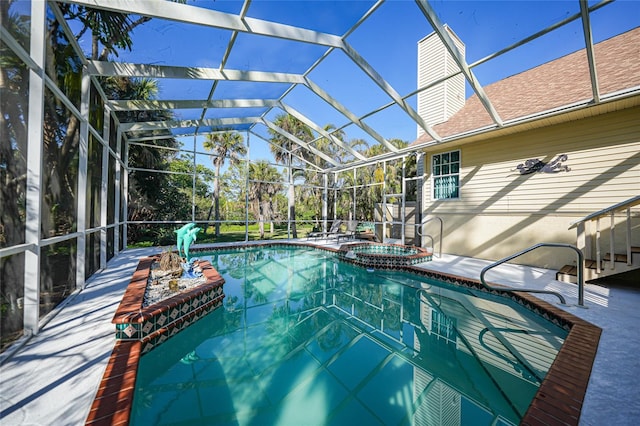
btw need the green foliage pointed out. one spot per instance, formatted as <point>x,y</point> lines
<point>225,145</point>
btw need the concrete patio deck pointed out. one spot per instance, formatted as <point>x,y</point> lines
<point>53,378</point>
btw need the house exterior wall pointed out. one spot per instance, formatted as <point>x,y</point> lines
<point>501,212</point>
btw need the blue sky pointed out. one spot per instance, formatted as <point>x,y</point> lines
<point>387,40</point>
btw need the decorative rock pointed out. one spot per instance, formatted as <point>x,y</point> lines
<point>159,285</point>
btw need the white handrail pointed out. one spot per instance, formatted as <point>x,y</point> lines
<point>623,204</point>
<point>580,267</point>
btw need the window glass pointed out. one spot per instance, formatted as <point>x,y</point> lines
<point>92,254</point>
<point>14,107</point>
<point>110,243</point>
<point>445,175</point>
<point>18,21</point>
<point>111,190</point>
<point>63,65</point>
<point>12,298</point>
<point>57,274</point>
<point>94,183</point>
<point>60,168</point>
<point>121,239</point>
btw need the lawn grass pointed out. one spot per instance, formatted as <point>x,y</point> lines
<point>236,233</point>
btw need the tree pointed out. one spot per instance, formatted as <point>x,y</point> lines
<point>223,145</point>
<point>235,181</point>
<point>283,148</point>
<point>14,77</point>
<point>265,183</point>
<point>60,144</point>
<point>183,184</point>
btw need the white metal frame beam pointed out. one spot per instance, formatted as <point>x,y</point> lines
<point>134,105</point>
<point>386,87</point>
<point>34,170</point>
<point>173,124</point>
<point>290,110</point>
<point>116,180</point>
<point>104,194</point>
<point>236,23</point>
<point>83,165</point>
<point>225,56</point>
<point>295,154</point>
<point>211,18</point>
<point>124,69</point>
<point>298,141</point>
<point>344,111</point>
<point>588,41</point>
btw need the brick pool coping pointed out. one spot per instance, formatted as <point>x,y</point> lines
<point>558,400</point>
<point>140,329</point>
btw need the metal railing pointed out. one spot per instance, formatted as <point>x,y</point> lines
<point>419,232</point>
<point>580,268</point>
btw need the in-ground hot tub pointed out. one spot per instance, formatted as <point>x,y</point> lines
<point>383,256</point>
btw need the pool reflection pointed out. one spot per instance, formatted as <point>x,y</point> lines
<point>305,338</point>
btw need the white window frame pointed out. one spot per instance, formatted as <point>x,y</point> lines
<point>449,173</point>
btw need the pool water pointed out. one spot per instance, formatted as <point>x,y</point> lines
<point>305,338</point>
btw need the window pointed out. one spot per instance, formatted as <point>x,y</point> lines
<point>443,326</point>
<point>445,175</point>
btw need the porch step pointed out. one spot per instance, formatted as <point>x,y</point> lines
<point>568,270</point>
<point>573,270</point>
<point>616,257</point>
<point>621,257</point>
<point>569,273</point>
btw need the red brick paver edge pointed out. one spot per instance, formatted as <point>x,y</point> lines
<point>114,398</point>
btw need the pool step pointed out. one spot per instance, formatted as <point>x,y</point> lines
<point>569,273</point>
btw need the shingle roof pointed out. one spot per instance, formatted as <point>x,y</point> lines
<point>560,82</point>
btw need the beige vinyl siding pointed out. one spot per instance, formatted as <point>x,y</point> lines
<point>500,211</point>
<point>438,103</point>
<point>455,86</point>
<point>431,60</point>
<point>432,112</point>
<point>598,176</point>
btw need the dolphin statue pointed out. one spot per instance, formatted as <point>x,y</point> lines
<point>189,239</point>
<point>182,232</point>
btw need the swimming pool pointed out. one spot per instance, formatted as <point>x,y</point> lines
<point>305,338</point>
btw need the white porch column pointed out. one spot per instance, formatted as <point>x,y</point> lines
<point>34,170</point>
<point>246,190</point>
<point>104,194</point>
<point>325,198</point>
<point>81,193</point>
<point>125,186</point>
<point>403,207</point>
<point>116,181</point>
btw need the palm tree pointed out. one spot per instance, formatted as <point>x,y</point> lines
<point>265,183</point>
<point>223,145</point>
<point>282,149</point>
